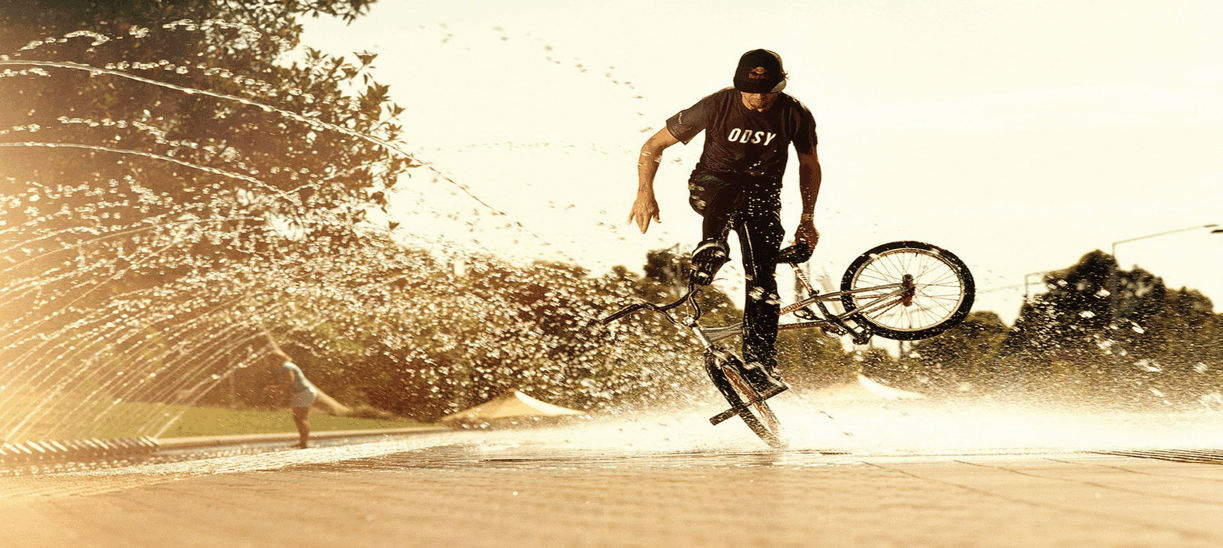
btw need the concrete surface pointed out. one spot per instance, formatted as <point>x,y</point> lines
<point>544,488</point>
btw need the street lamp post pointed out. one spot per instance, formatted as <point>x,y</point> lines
<point>1025,282</point>
<point>1112,282</point>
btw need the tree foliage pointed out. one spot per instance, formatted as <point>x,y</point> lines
<point>960,359</point>
<point>1116,336</point>
<point>157,112</point>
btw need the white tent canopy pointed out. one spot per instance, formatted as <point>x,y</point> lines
<point>510,405</point>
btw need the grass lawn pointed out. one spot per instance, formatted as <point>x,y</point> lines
<point>210,421</point>
<point>71,417</point>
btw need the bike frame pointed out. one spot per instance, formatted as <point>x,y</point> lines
<point>835,323</point>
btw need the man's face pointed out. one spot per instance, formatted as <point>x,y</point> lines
<point>759,102</point>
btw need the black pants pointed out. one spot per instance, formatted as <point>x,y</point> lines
<point>752,208</point>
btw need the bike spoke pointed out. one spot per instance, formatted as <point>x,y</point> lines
<point>938,289</point>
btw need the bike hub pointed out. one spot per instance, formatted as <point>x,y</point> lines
<point>908,290</point>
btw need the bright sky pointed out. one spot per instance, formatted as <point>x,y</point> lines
<point>1019,135</point>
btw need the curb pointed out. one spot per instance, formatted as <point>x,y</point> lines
<point>172,444</point>
<point>27,452</point>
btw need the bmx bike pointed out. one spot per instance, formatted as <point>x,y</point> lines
<point>904,291</point>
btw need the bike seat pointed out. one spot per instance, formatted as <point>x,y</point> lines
<point>795,254</point>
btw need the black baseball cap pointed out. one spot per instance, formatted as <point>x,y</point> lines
<point>760,71</point>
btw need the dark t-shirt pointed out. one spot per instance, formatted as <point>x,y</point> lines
<point>742,141</point>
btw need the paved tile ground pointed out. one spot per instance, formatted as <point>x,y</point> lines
<point>534,490</point>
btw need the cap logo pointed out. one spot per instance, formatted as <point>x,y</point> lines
<point>758,73</point>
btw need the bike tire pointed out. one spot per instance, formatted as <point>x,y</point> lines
<point>744,400</point>
<point>943,294</point>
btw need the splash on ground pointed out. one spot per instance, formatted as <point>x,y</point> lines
<point>821,430</point>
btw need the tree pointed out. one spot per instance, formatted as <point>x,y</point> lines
<point>154,138</point>
<point>1141,344</point>
<point>809,358</point>
<point>164,166</point>
<point>665,279</point>
<point>962,357</point>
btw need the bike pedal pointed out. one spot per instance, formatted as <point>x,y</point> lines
<point>774,391</point>
<point>721,417</point>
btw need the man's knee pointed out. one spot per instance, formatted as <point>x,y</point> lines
<point>705,191</point>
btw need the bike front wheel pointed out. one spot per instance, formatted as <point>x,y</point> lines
<point>725,371</point>
<point>908,290</point>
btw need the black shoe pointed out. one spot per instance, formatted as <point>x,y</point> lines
<point>764,381</point>
<point>706,260</point>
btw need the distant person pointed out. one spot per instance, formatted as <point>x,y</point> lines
<point>301,393</point>
<point>736,185</point>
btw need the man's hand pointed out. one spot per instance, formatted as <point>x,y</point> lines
<point>807,234</point>
<point>645,209</point>
<point>810,175</point>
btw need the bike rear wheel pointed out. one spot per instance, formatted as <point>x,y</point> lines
<point>908,290</point>
<point>743,399</point>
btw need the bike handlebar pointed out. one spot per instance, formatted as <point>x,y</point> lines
<point>625,312</point>
<point>795,254</point>
<point>656,308</point>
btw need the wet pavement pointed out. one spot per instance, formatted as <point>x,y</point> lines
<point>671,482</point>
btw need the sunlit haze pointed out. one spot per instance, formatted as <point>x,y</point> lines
<point>1019,135</point>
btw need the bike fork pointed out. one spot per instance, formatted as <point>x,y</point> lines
<point>836,325</point>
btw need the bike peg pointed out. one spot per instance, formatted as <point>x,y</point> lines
<point>795,254</point>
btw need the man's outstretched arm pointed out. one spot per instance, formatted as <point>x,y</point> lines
<point>645,207</point>
<point>809,177</point>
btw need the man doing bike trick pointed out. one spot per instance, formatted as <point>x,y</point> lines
<point>736,186</point>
